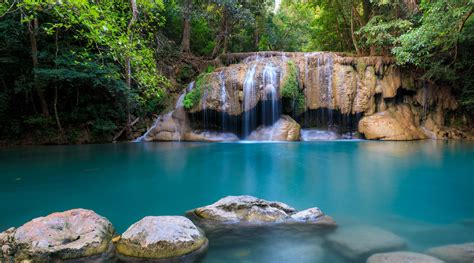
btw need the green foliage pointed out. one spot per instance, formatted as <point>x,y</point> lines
<point>193,98</point>
<point>383,33</point>
<point>290,89</point>
<point>441,44</point>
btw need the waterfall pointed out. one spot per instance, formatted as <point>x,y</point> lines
<point>223,99</point>
<point>204,107</point>
<point>328,69</point>
<point>250,99</point>
<point>271,85</point>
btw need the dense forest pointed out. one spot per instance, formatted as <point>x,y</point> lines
<point>79,71</point>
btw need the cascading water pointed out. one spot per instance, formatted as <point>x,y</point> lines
<point>204,109</point>
<point>328,70</point>
<point>223,99</point>
<point>250,100</point>
<point>271,85</point>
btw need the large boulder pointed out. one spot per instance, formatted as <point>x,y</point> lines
<point>359,242</point>
<point>168,127</point>
<point>74,234</point>
<point>252,211</point>
<point>458,253</point>
<point>402,257</point>
<point>395,124</point>
<point>210,136</point>
<point>161,237</point>
<point>285,129</point>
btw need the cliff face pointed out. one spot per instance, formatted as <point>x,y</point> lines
<point>393,105</point>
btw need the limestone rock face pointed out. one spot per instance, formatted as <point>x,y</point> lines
<point>390,82</point>
<point>459,253</point>
<point>73,234</point>
<point>161,237</point>
<point>168,127</point>
<point>402,257</point>
<point>249,210</point>
<point>328,80</point>
<point>285,129</point>
<point>210,136</point>
<point>397,123</point>
<point>359,242</point>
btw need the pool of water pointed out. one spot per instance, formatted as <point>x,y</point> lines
<point>421,191</point>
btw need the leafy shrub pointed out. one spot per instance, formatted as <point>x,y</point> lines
<point>192,98</point>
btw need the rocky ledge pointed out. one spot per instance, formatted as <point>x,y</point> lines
<point>252,211</point>
<point>161,237</point>
<point>73,234</point>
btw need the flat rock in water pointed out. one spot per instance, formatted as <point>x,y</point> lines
<point>458,253</point>
<point>161,237</point>
<point>72,234</point>
<point>249,210</point>
<point>359,242</point>
<point>402,257</point>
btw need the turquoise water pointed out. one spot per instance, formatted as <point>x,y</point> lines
<point>422,191</point>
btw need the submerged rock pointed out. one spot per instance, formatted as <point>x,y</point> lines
<point>74,234</point>
<point>249,210</point>
<point>402,257</point>
<point>395,124</point>
<point>285,129</point>
<point>458,253</point>
<point>161,237</point>
<point>359,242</point>
<point>210,136</point>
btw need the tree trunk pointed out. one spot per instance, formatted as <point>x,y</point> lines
<point>128,66</point>
<point>186,41</point>
<point>222,35</point>
<point>33,28</point>
<point>56,115</point>
<point>354,40</point>
<point>367,5</point>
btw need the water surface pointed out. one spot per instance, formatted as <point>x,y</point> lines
<point>422,191</point>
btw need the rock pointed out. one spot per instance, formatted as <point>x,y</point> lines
<point>344,88</point>
<point>249,210</point>
<point>285,129</point>
<point>402,257</point>
<point>458,253</point>
<point>313,215</point>
<point>318,135</point>
<point>364,100</point>
<point>168,127</point>
<point>161,237</point>
<point>210,136</point>
<point>73,234</point>
<point>359,242</point>
<point>390,82</point>
<point>396,124</point>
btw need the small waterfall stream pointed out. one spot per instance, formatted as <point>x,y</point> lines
<point>223,99</point>
<point>250,100</point>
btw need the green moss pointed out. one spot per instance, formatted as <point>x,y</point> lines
<point>290,90</point>
<point>361,66</point>
<point>192,98</point>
